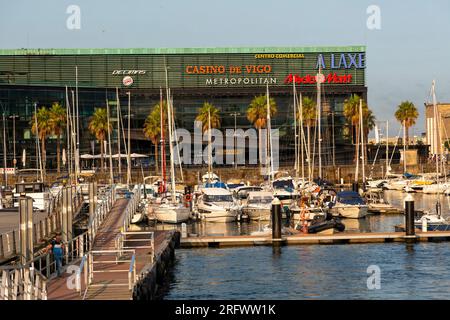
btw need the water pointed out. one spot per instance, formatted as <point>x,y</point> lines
<point>418,271</point>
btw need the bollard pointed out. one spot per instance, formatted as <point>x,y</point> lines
<point>355,186</point>
<point>424,225</point>
<point>276,219</point>
<point>183,230</point>
<point>409,215</point>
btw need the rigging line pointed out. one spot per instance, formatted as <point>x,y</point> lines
<point>395,145</point>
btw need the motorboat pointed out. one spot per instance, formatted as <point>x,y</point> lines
<point>36,190</point>
<point>349,204</point>
<point>210,177</point>
<point>241,193</point>
<point>172,211</point>
<point>233,184</point>
<point>433,221</point>
<point>258,205</point>
<point>377,204</point>
<point>217,205</point>
<point>285,191</point>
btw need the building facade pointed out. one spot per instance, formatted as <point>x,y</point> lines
<point>438,136</point>
<point>229,78</point>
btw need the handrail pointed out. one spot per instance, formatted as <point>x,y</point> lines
<point>131,207</point>
<point>132,272</point>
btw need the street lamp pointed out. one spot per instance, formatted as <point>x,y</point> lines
<point>14,116</point>
<point>235,138</point>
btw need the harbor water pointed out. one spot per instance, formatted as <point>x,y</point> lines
<point>406,271</point>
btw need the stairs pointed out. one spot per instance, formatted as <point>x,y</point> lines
<point>108,291</point>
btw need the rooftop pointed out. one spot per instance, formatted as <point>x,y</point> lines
<point>103,51</point>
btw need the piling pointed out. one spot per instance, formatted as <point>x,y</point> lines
<point>355,186</point>
<point>276,219</point>
<point>26,228</point>
<point>409,216</point>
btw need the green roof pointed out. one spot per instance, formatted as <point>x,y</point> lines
<point>20,52</point>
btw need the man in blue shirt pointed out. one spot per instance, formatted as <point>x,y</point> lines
<point>57,247</point>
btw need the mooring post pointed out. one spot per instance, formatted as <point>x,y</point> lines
<point>409,216</point>
<point>183,230</point>
<point>276,219</point>
<point>355,186</point>
<point>70,212</point>
<point>64,213</point>
<point>26,228</point>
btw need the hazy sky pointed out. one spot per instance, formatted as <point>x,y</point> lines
<point>410,50</point>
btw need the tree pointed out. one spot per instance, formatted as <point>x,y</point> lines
<point>44,128</point>
<point>98,126</point>
<point>203,116</point>
<point>58,124</point>
<point>257,115</point>
<point>407,115</point>
<point>152,128</point>
<point>351,112</point>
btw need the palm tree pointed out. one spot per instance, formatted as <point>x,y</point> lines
<point>309,115</point>
<point>152,128</point>
<point>351,112</point>
<point>257,115</point>
<point>98,126</point>
<point>44,128</point>
<point>407,115</point>
<point>58,123</point>
<point>202,116</point>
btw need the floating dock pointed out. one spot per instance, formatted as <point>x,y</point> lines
<point>304,239</point>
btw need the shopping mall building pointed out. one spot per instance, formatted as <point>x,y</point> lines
<point>229,78</point>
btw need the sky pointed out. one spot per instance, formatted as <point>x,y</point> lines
<point>411,48</point>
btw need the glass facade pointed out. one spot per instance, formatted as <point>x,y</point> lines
<point>228,78</point>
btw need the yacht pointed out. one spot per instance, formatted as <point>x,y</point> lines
<point>258,205</point>
<point>217,205</point>
<point>349,204</point>
<point>36,190</point>
<point>285,191</point>
<point>169,211</point>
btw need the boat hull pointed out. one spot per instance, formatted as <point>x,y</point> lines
<point>351,212</point>
<point>170,215</point>
<point>257,214</point>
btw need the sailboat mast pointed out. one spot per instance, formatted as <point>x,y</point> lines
<point>387,148</point>
<point>169,119</point>
<point>296,164</point>
<point>118,134</point>
<point>111,177</point>
<point>129,140</point>
<point>163,144</point>
<point>38,146</point>
<point>302,136</point>
<point>319,113</point>
<point>209,147</point>
<point>77,153</point>
<point>69,166</point>
<point>269,137</point>
<point>436,133</point>
<point>404,146</point>
<point>362,143</point>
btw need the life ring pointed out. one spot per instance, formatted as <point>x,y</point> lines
<point>187,197</point>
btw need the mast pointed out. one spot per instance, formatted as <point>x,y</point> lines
<point>169,119</point>
<point>387,148</point>
<point>319,113</point>
<point>77,153</point>
<point>296,165</point>
<point>111,177</point>
<point>404,146</point>
<point>73,134</point>
<point>118,133</point>
<point>176,141</point>
<point>361,122</point>
<point>69,166</point>
<point>5,177</point>
<point>269,138</point>
<point>163,145</point>
<point>209,147</point>
<point>129,141</point>
<point>38,146</point>
<point>302,136</point>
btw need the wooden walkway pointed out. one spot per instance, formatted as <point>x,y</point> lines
<point>112,284</point>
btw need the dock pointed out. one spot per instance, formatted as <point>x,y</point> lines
<point>305,239</point>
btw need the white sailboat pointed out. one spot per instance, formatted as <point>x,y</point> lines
<point>172,208</point>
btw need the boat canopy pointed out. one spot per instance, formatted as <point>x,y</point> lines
<point>349,197</point>
<point>217,184</point>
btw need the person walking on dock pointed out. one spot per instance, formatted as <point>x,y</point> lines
<point>57,247</point>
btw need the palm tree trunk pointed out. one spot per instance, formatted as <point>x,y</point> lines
<point>156,158</point>
<point>58,152</point>
<point>407,135</point>
<point>101,156</point>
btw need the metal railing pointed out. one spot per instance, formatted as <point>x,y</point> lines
<point>43,229</point>
<point>131,207</point>
<point>22,283</point>
<point>123,241</point>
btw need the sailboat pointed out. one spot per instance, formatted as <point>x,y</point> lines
<point>434,220</point>
<point>172,208</point>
